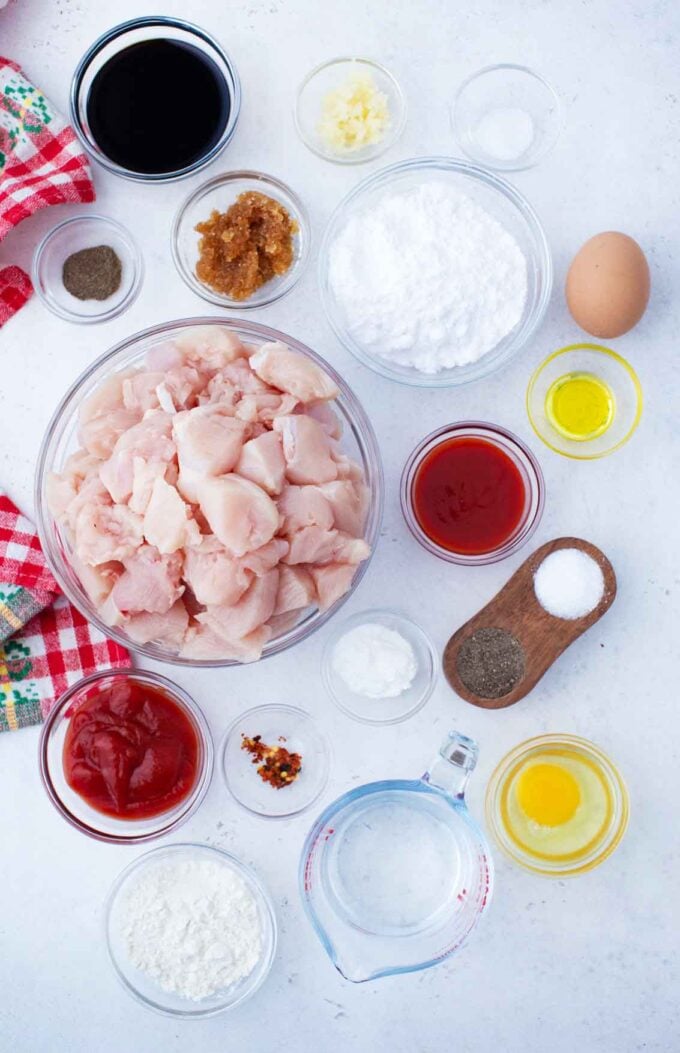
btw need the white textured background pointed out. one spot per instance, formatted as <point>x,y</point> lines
<point>589,964</point>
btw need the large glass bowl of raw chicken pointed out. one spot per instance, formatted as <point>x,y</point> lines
<point>209,492</point>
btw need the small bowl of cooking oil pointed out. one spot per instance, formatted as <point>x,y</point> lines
<point>584,401</point>
<point>557,805</point>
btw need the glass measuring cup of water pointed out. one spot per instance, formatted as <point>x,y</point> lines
<point>395,875</point>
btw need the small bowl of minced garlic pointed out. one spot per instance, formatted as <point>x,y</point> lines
<point>350,110</point>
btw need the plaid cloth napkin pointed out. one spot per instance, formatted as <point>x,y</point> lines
<point>41,163</point>
<point>45,644</point>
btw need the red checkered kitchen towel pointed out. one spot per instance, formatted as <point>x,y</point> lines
<point>41,163</point>
<point>45,643</point>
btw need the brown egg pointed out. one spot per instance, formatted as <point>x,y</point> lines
<point>608,285</point>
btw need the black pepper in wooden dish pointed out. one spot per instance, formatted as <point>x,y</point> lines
<point>92,274</point>
<point>490,663</point>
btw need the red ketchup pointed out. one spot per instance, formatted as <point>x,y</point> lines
<point>130,751</point>
<point>468,496</point>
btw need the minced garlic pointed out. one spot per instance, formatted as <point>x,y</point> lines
<point>354,115</point>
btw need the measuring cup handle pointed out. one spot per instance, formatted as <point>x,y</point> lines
<point>453,765</point>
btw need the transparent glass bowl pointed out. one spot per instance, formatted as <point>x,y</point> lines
<point>494,94</point>
<point>522,457</point>
<point>300,734</point>
<point>133,32</point>
<point>86,232</point>
<point>334,74</point>
<point>220,193</point>
<point>143,987</point>
<point>60,441</point>
<point>74,808</point>
<point>382,710</point>
<point>499,199</point>
<point>603,363</point>
<point>609,837</point>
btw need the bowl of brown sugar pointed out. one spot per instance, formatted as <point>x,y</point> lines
<point>241,240</point>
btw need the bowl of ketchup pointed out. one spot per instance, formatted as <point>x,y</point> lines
<point>126,756</point>
<point>472,493</point>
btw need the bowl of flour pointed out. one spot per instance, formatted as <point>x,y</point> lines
<point>434,272</point>
<point>191,930</point>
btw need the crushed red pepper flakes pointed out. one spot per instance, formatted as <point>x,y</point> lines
<point>277,765</point>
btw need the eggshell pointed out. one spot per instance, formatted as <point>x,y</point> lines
<point>608,285</point>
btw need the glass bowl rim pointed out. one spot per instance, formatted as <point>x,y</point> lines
<point>537,486</point>
<point>608,352</point>
<point>610,839</point>
<point>113,34</point>
<point>298,712</point>
<point>290,278</point>
<point>389,140</point>
<point>511,166</point>
<point>255,884</point>
<point>361,617</point>
<point>181,698</point>
<point>361,427</point>
<point>459,375</point>
<point>135,256</point>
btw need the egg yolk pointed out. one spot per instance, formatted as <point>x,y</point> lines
<point>548,794</point>
<point>580,406</point>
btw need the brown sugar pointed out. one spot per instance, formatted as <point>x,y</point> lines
<point>246,246</point>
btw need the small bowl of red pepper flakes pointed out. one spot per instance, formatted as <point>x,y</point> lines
<point>275,761</point>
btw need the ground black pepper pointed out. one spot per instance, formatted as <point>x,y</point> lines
<point>92,274</point>
<point>490,663</point>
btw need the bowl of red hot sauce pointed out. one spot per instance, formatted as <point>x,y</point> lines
<point>472,493</point>
<point>126,756</point>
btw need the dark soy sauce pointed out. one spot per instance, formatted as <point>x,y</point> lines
<point>158,106</point>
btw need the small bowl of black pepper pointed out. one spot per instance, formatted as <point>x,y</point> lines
<point>87,269</point>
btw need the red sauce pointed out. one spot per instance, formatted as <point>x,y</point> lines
<point>130,751</point>
<point>468,496</point>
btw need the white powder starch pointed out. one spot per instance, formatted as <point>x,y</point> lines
<point>427,278</point>
<point>375,661</point>
<point>192,925</point>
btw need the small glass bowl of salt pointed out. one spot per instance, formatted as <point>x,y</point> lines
<point>379,667</point>
<point>506,117</point>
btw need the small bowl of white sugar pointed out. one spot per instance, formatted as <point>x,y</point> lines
<point>191,930</point>
<point>379,667</point>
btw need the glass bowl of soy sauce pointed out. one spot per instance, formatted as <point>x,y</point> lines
<point>155,99</point>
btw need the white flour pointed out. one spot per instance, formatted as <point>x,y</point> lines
<point>427,278</point>
<point>193,926</point>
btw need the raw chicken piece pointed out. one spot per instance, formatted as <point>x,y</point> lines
<point>312,545</point>
<point>166,521</point>
<point>91,492</point>
<point>110,614</point>
<point>292,372</point>
<point>303,506</point>
<point>117,475</point>
<point>254,608</point>
<point>144,475</point>
<point>79,466</point>
<point>208,441</point>
<point>296,590</point>
<point>215,577</point>
<point>139,391</point>
<point>150,582</point>
<point>241,514</point>
<point>184,384</point>
<point>60,491</point>
<point>241,376</point>
<point>99,435</point>
<point>265,558</point>
<point>222,392</point>
<point>262,462</point>
<point>326,417</point>
<point>331,582</point>
<point>202,643</point>
<point>105,398</point>
<point>348,469</point>
<point>164,357</point>
<point>97,581</point>
<point>306,448</point>
<point>349,503</point>
<point>106,532</point>
<point>265,406</point>
<point>348,549</point>
<point>169,628</point>
<point>209,348</point>
<point>150,438</point>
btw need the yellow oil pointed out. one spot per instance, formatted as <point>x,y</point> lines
<point>580,406</point>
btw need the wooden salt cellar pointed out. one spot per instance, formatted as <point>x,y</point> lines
<point>517,610</point>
